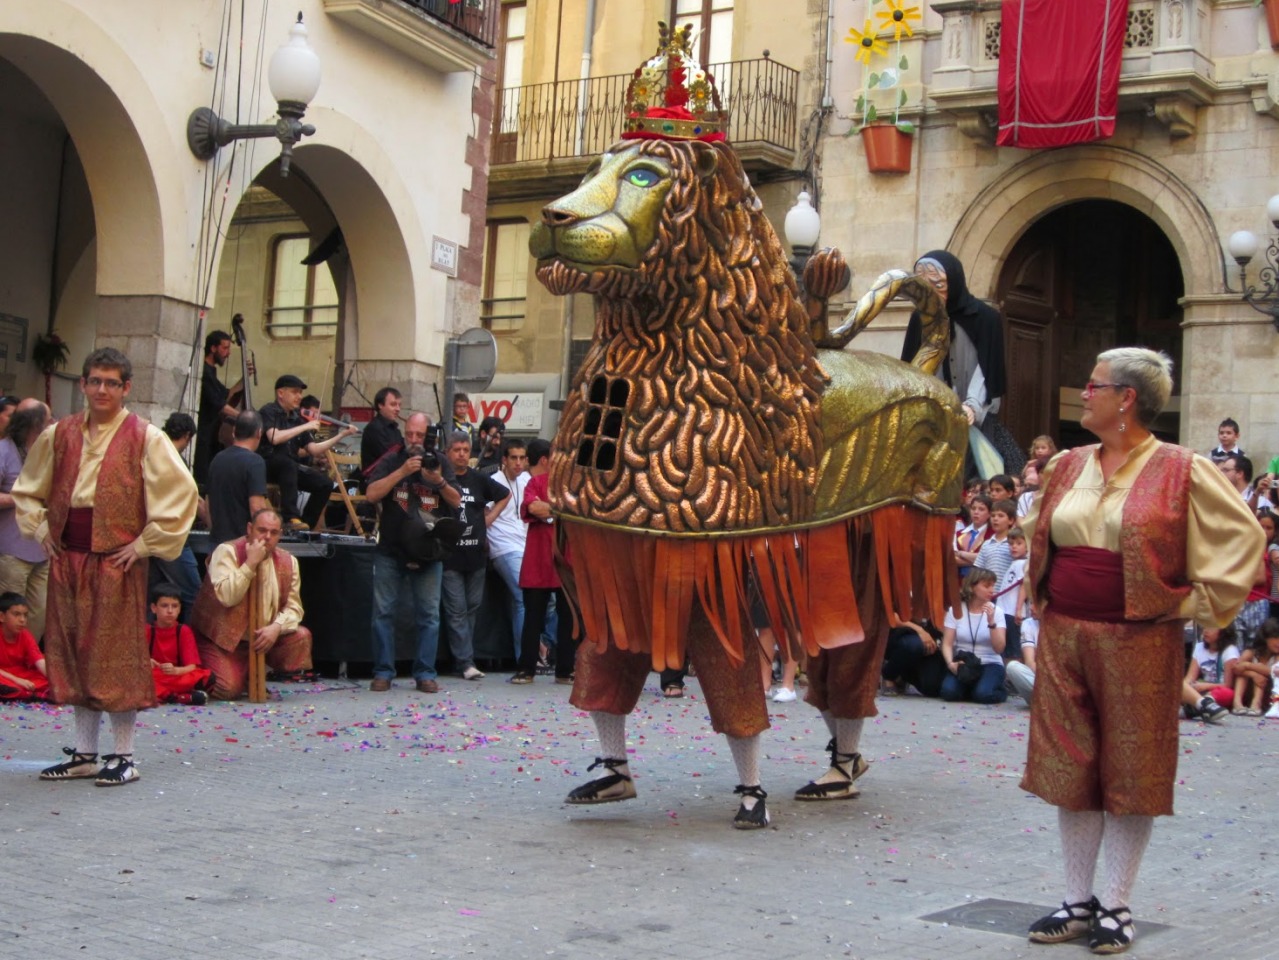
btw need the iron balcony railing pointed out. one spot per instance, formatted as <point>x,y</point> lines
<point>580,118</point>
<point>476,19</point>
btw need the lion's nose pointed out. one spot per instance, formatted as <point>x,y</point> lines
<point>555,217</point>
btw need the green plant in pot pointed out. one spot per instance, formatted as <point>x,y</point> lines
<point>887,144</point>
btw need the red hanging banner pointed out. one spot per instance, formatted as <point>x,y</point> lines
<point>1059,71</point>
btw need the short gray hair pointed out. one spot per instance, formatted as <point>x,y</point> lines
<point>460,436</point>
<point>1149,372</point>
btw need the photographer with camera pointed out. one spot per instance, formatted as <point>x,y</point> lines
<point>419,527</point>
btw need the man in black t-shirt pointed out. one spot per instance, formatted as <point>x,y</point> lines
<point>237,481</point>
<point>382,433</point>
<point>466,566</point>
<point>407,565</point>
<point>213,405</point>
<point>283,439</point>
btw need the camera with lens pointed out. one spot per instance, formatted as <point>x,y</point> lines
<point>430,459</point>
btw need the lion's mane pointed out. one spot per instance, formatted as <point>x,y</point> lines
<point>707,348</point>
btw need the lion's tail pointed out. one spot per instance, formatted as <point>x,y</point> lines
<point>935,335</point>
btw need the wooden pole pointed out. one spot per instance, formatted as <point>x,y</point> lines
<point>257,659</point>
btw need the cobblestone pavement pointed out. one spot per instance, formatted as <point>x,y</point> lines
<point>335,822</point>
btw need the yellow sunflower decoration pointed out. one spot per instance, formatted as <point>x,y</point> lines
<point>866,42</point>
<point>897,19</point>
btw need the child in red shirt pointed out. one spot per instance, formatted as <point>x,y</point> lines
<point>175,661</point>
<point>22,673</point>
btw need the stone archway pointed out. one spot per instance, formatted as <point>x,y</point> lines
<point>999,215</point>
<point>121,193</point>
<point>385,281</point>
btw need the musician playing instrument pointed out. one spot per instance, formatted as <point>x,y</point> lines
<point>283,430</point>
<point>251,570</point>
<point>214,405</point>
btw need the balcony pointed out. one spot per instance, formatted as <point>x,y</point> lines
<point>547,134</point>
<point>446,35</point>
<point>1166,71</point>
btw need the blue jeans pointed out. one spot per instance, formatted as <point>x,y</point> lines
<point>463,594</point>
<point>508,568</point>
<point>988,689</point>
<point>393,584</point>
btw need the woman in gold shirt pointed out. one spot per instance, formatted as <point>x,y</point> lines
<point>1129,538</point>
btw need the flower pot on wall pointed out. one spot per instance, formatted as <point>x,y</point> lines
<point>887,148</point>
<point>1272,21</point>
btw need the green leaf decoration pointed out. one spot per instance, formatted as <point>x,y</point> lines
<point>872,114</point>
<point>887,79</point>
<point>902,64</point>
<point>906,127</point>
<point>861,104</point>
<point>874,80</point>
<point>901,101</point>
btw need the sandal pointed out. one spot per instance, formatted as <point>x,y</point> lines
<point>1111,940</point>
<point>756,818</point>
<point>616,786</point>
<point>673,691</point>
<point>117,770</point>
<point>850,766</point>
<point>81,766</point>
<point>521,677</point>
<point>1071,922</point>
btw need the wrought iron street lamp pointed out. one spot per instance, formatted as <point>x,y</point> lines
<point>1243,246</point>
<point>293,76</point>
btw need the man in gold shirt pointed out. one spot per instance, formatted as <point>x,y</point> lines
<point>103,490</point>
<point>243,572</point>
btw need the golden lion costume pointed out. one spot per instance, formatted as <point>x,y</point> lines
<point>708,445</point>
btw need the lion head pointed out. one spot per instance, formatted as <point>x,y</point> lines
<point>698,406</point>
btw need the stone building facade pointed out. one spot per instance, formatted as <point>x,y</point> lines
<point>1120,241</point>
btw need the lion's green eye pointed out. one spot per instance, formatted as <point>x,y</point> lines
<point>641,177</point>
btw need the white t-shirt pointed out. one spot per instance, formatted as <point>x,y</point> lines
<point>1208,672</point>
<point>1030,632</point>
<point>507,532</point>
<point>972,633</point>
<point>1024,503</point>
<point>1006,592</point>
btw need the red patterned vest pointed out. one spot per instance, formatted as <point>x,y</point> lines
<point>227,626</point>
<point>119,502</point>
<point>1153,539</point>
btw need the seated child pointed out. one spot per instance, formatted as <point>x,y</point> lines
<point>1206,691</point>
<point>175,661</point>
<point>22,673</point>
<point>994,554</point>
<point>1255,671</point>
<point>1009,593</point>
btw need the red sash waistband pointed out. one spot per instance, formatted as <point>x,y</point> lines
<point>77,535</point>
<point>1087,583</point>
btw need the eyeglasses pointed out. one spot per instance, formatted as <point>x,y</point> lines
<point>1091,387</point>
<point>94,382</point>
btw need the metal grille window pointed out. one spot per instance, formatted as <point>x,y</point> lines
<point>304,302</point>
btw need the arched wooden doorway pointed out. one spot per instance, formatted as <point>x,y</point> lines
<point>1091,275</point>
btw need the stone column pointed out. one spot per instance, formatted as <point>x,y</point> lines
<point>158,334</point>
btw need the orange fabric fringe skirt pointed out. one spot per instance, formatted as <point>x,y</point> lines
<point>819,586</point>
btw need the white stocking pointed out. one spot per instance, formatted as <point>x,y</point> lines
<point>1080,843</point>
<point>1126,840</point>
<point>612,731</point>
<point>87,724</point>
<point>848,734</point>
<point>123,725</point>
<point>746,757</point>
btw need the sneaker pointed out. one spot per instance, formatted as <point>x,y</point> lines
<point>297,525</point>
<point>473,673</point>
<point>783,695</point>
<point>1210,711</point>
<point>1273,712</point>
<point>199,698</point>
<point>521,677</point>
<point>117,771</point>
